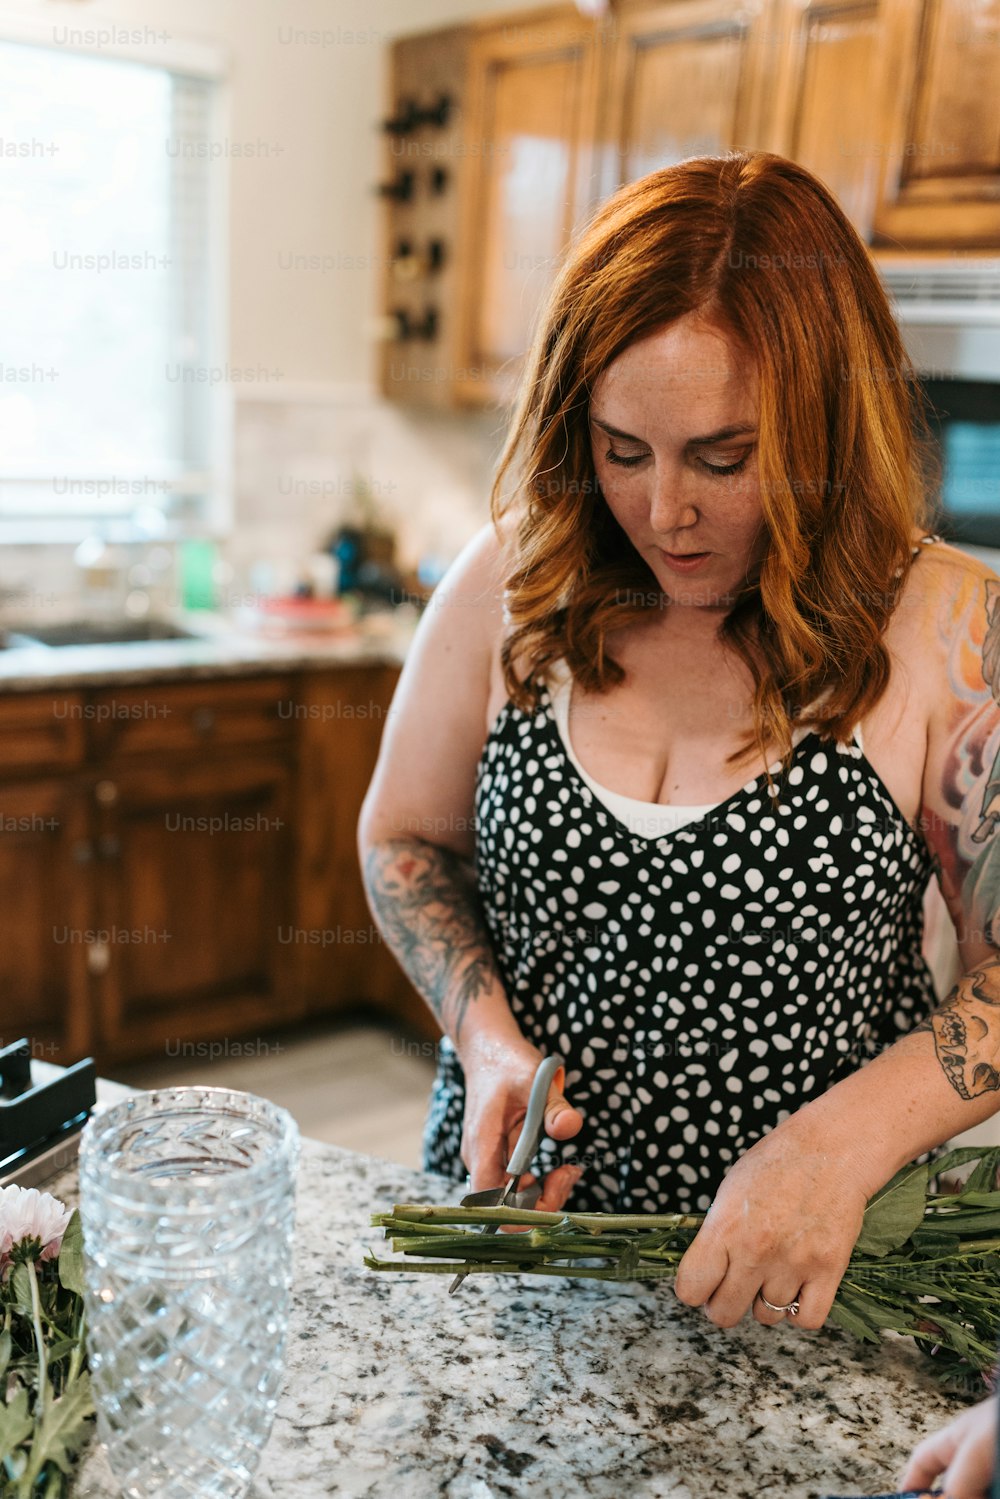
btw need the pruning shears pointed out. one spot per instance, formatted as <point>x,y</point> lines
<point>524,1153</point>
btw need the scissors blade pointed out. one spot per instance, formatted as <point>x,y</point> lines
<point>523,1153</point>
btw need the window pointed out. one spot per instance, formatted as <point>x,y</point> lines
<point>108,282</point>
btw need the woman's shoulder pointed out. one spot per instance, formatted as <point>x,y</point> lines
<point>944,575</point>
<point>943,617</point>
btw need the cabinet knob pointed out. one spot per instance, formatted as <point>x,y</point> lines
<point>109,846</point>
<point>203,720</point>
<point>83,851</point>
<point>98,957</point>
<point>106,793</point>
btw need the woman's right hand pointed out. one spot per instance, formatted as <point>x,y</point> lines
<point>498,1078</point>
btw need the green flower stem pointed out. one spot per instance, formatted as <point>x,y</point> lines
<point>43,1359</point>
<point>76,1357</point>
<point>594,1223</point>
<point>487,1267</point>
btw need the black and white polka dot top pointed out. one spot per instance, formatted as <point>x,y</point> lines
<point>700,986</point>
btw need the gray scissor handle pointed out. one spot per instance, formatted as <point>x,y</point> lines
<point>534,1119</point>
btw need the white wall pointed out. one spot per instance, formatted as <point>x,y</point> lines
<point>319,102</point>
<point>308,86</point>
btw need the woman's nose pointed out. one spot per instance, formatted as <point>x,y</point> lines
<point>670,509</point>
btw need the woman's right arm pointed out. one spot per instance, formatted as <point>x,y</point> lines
<point>416,836</point>
<point>416,842</point>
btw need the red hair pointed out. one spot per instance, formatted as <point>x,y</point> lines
<point>760,248</point>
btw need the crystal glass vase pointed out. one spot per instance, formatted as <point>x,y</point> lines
<point>187,1199</point>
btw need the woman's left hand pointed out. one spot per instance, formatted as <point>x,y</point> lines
<point>783,1222</point>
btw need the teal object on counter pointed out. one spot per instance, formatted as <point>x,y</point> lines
<point>197,570</point>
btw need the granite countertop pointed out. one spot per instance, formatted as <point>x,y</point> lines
<point>550,1388</point>
<point>221,648</point>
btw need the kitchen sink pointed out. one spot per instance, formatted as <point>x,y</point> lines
<point>97,632</point>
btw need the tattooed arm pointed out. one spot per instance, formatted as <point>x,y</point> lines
<point>943,1077</point>
<point>416,832</point>
<point>960,814</point>
<point>425,900</point>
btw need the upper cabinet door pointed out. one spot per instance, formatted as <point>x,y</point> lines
<point>940,180</point>
<point>684,80</point>
<point>530,122</point>
<point>827,114</point>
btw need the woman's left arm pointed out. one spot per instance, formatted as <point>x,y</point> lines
<point>788,1213</point>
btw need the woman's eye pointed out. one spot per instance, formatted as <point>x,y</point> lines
<point>720,470</point>
<point>614,457</point>
<point>729,468</point>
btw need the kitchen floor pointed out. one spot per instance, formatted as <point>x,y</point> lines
<point>362,1086</point>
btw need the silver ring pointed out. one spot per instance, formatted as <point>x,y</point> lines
<point>791,1308</point>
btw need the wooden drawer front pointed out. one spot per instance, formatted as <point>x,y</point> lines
<point>40,732</point>
<point>156,718</point>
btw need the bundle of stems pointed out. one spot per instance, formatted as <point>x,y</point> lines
<point>926,1263</point>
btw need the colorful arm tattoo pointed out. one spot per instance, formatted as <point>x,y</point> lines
<point>961,814</point>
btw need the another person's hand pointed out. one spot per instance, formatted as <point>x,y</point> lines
<point>498,1078</point>
<point>783,1223</point>
<point>964,1452</point>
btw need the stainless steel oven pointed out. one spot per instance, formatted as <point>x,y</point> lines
<point>949,313</point>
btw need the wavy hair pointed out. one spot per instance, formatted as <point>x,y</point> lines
<point>760,248</point>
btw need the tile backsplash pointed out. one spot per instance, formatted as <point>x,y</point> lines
<point>299,462</point>
<point>298,466</point>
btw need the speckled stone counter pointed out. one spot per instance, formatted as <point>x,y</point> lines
<point>552,1389</point>
<point>221,649</point>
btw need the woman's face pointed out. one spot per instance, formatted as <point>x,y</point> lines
<point>673,433</point>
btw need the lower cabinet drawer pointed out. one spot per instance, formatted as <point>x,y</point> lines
<point>183,716</point>
<point>43,732</point>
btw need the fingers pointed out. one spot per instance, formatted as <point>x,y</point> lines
<point>727,1290</point>
<point>702,1269</point>
<point>561,1119</point>
<point>963,1452</point>
<point>762,1312</point>
<point>814,1298</point>
<point>929,1459</point>
<point>557,1187</point>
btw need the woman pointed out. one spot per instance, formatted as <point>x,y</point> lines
<point>681,739</point>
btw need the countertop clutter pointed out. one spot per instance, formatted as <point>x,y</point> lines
<point>509,1388</point>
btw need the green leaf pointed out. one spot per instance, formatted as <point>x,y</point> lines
<point>935,1241</point>
<point>21,1286</point>
<point>984,1178</point>
<point>15,1424</point>
<point>71,1256</point>
<point>967,1224</point>
<point>5,1350</point>
<point>952,1159</point>
<point>894,1213</point>
<point>64,1428</point>
<point>842,1316</point>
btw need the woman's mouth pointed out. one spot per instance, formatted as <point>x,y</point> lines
<point>684,562</point>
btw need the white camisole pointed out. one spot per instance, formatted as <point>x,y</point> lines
<point>644,819</point>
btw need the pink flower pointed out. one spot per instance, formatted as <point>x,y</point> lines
<point>29,1217</point>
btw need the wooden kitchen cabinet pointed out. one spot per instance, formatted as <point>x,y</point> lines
<point>531,98</point>
<point>340,958</point>
<point>44,897</point>
<point>823,60</point>
<point>517,156</point>
<point>193,901</point>
<point>894,104</point>
<point>187,869</point>
<point>684,78</point>
<point>939,181</point>
<point>431,162</point>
